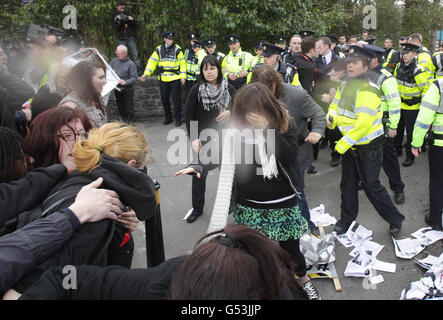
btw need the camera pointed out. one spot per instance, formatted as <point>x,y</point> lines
<point>124,17</point>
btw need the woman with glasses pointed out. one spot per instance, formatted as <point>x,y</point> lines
<point>52,136</point>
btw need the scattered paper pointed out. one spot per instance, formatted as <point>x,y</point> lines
<point>409,248</point>
<point>428,235</point>
<point>359,266</point>
<point>376,279</point>
<point>429,287</point>
<point>369,248</point>
<point>384,266</point>
<point>318,216</point>
<point>344,240</point>
<point>357,233</point>
<point>429,261</point>
<point>318,250</point>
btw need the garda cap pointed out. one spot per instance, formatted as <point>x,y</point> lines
<point>259,44</point>
<point>410,47</point>
<point>270,49</point>
<point>209,42</point>
<point>194,36</point>
<point>168,35</point>
<point>374,49</point>
<point>281,39</point>
<point>306,33</point>
<point>357,52</point>
<point>232,38</point>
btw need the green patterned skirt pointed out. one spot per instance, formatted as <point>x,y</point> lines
<point>277,224</point>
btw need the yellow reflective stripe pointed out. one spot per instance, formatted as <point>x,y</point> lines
<point>371,136</point>
<point>413,94</point>
<point>366,110</point>
<point>346,113</point>
<point>429,105</point>
<point>422,125</point>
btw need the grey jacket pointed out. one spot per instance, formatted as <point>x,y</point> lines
<point>302,107</point>
<point>126,70</point>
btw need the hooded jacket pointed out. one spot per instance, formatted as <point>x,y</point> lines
<point>89,243</point>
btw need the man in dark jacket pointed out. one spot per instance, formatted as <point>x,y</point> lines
<point>124,27</point>
<point>305,63</point>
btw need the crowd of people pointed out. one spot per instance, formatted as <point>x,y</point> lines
<point>74,183</point>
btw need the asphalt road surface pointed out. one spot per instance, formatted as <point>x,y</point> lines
<point>321,188</point>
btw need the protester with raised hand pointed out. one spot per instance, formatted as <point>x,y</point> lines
<point>208,107</point>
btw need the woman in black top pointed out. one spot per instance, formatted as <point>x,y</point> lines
<point>209,104</point>
<point>265,188</point>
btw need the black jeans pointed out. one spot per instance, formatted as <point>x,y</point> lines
<point>167,89</point>
<point>365,164</point>
<point>125,103</point>
<point>292,247</point>
<point>407,120</point>
<point>391,166</point>
<point>436,184</point>
<point>199,188</point>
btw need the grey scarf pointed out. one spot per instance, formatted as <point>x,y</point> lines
<point>212,98</point>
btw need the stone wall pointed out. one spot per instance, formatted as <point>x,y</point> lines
<point>147,102</point>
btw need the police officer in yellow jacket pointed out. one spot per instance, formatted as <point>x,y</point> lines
<point>437,60</point>
<point>431,114</point>
<point>236,64</point>
<point>211,48</point>
<point>356,111</point>
<point>169,59</point>
<point>391,108</point>
<point>191,62</point>
<point>413,82</point>
<point>193,65</point>
<point>272,57</point>
<point>423,55</point>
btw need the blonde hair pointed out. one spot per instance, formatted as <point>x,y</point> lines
<point>116,139</point>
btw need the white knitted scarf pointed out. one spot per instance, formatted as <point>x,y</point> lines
<point>220,212</point>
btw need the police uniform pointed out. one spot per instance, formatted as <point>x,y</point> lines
<point>234,63</point>
<point>424,59</point>
<point>431,114</point>
<point>288,72</point>
<point>391,108</point>
<point>281,40</point>
<point>413,83</point>
<point>258,59</point>
<point>356,111</point>
<point>172,66</point>
<point>191,63</point>
<point>437,61</point>
<point>208,43</point>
